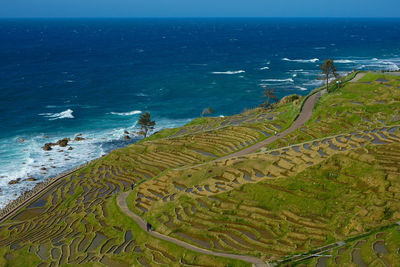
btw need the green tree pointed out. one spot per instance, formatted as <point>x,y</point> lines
<point>146,124</point>
<point>207,111</point>
<point>269,94</point>
<point>328,70</point>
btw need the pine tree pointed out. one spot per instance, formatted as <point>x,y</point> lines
<point>146,124</point>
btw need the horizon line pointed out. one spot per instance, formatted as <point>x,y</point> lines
<point>201,17</point>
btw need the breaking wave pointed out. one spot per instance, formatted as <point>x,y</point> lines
<point>130,113</point>
<point>278,80</point>
<point>229,72</point>
<point>313,60</point>
<point>66,114</point>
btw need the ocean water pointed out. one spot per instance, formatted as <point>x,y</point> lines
<point>62,77</point>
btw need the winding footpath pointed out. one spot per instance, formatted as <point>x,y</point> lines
<point>304,115</point>
<point>121,202</point>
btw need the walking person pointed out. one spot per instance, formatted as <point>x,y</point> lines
<point>148,226</point>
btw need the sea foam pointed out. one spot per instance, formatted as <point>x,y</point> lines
<point>130,113</point>
<point>313,60</point>
<point>66,114</point>
<point>229,72</point>
<point>278,80</point>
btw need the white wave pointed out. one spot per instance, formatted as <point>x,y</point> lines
<point>301,88</point>
<point>313,60</point>
<point>278,80</point>
<point>343,61</point>
<point>320,48</point>
<point>130,113</point>
<point>229,72</point>
<point>264,68</point>
<point>294,75</point>
<point>66,114</point>
<point>141,94</point>
<point>221,116</point>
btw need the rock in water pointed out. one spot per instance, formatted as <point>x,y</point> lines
<point>30,179</point>
<point>16,181</point>
<point>126,132</point>
<point>63,142</point>
<point>47,146</point>
<point>126,137</point>
<point>78,138</point>
<point>70,148</point>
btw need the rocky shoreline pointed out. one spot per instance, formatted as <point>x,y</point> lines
<point>27,196</point>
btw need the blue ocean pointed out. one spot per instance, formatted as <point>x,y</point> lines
<point>61,77</point>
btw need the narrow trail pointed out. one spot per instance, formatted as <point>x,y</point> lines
<point>357,77</point>
<point>121,202</point>
<point>304,115</point>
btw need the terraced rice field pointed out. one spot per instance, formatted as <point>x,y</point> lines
<point>372,102</point>
<point>78,223</point>
<point>380,248</point>
<point>278,203</point>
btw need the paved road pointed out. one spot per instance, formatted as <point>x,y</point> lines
<point>121,202</point>
<point>304,115</point>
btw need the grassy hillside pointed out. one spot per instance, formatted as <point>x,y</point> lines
<point>334,179</point>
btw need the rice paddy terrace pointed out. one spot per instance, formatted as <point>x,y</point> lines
<point>329,188</point>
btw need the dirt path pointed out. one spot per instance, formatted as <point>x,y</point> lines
<point>357,77</point>
<point>304,115</point>
<point>121,202</point>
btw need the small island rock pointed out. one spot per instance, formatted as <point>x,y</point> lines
<point>16,181</point>
<point>47,146</point>
<point>126,137</point>
<point>78,138</point>
<point>30,179</point>
<point>63,142</point>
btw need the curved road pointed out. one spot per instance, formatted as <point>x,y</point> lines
<point>121,202</point>
<point>304,115</point>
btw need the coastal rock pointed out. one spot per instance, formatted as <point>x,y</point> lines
<point>47,146</point>
<point>79,134</point>
<point>63,142</point>
<point>126,137</point>
<point>78,138</point>
<point>70,148</point>
<point>43,169</point>
<point>45,137</point>
<point>20,140</point>
<point>126,132</point>
<point>30,179</point>
<point>16,181</point>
